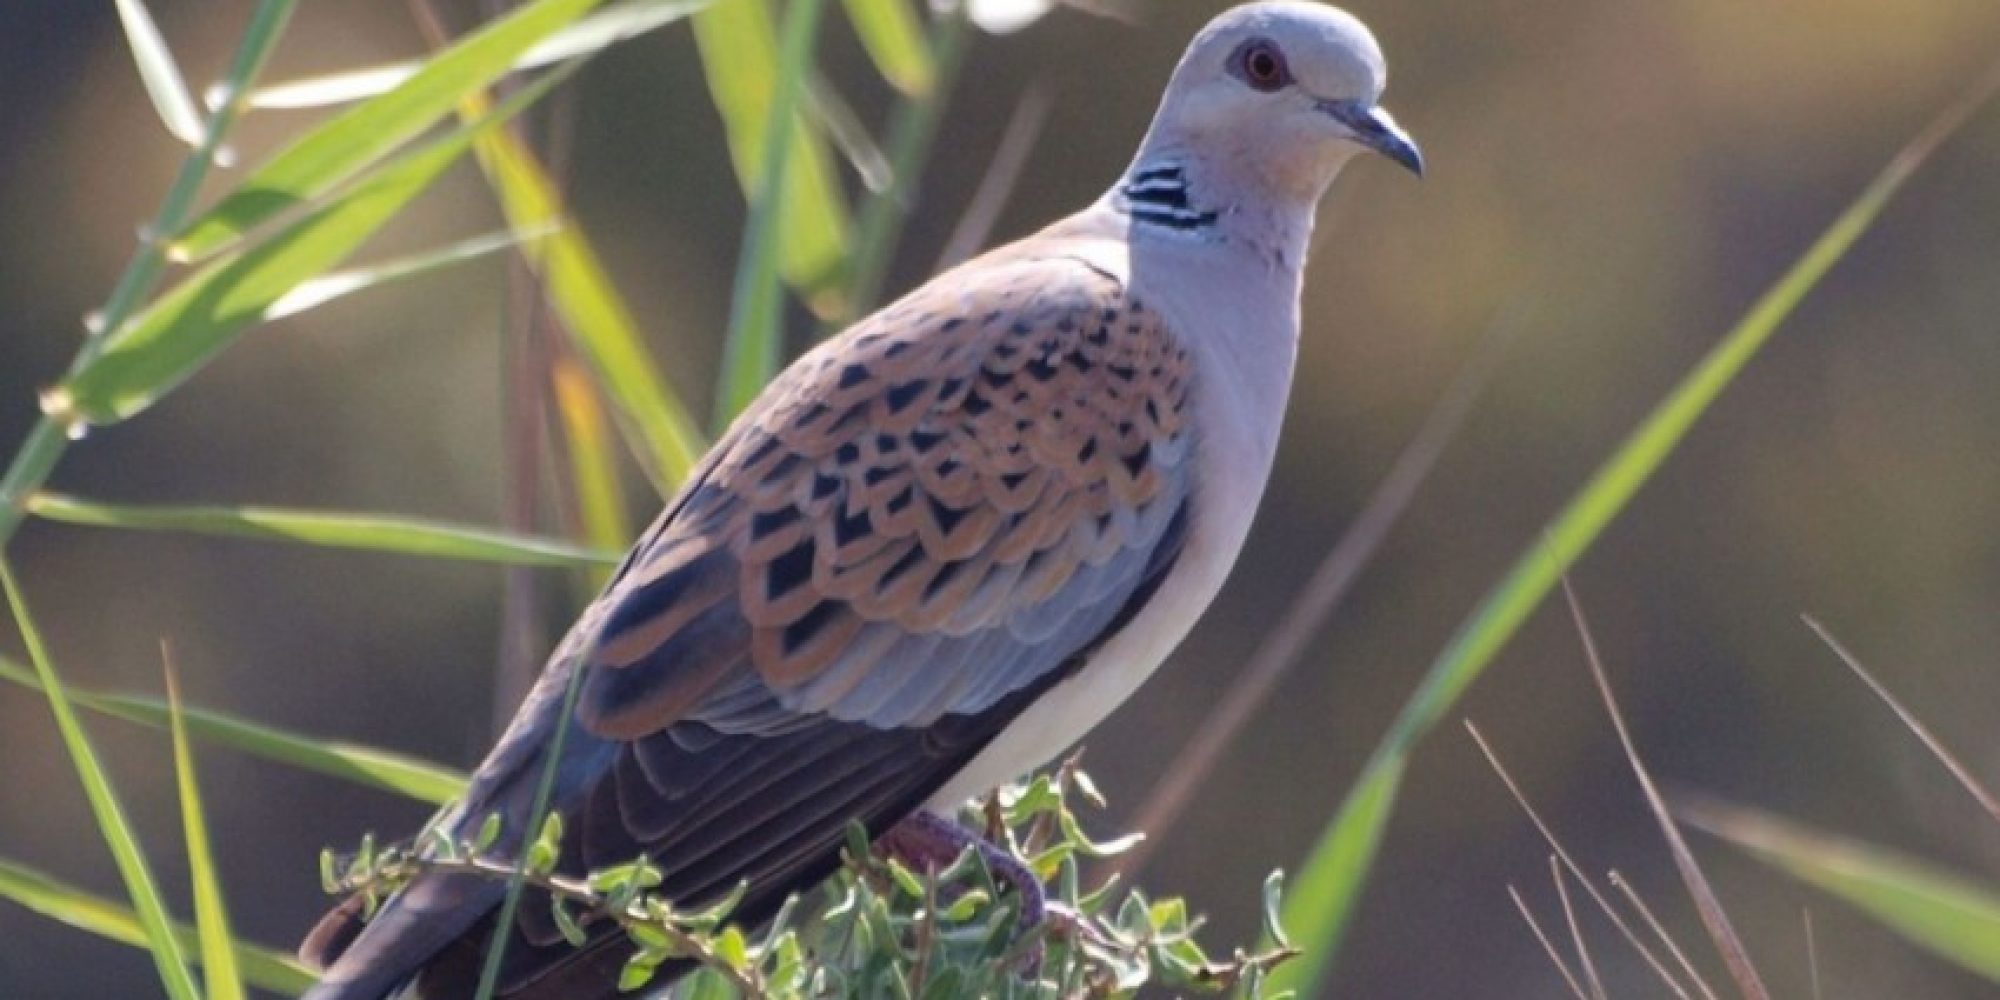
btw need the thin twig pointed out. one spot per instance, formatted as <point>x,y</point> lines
<point>1287,640</point>
<point>1575,930</point>
<point>1548,836</point>
<point>926,932</point>
<point>1713,917</point>
<point>1812,953</point>
<point>1547,945</point>
<point>1971,784</point>
<point>1619,882</point>
<point>748,981</point>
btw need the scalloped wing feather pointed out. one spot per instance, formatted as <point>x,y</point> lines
<point>919,517</point>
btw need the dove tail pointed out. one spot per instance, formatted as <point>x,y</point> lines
<point>376,959</point>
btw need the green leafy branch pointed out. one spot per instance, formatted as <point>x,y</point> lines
<point>879,928</point>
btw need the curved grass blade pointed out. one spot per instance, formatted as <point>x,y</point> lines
<point>1945,913</point>
<point>601,29</point>
<point>340,284</point>
<point>657,427</point>
<point>263,968</point>
<point>893,34</point>
<point>368,532</point>
<point>1319,922</point>
<point>828,109</point>
<point>161,75</point>
<point>392,772</point>
<point>756,320</point>
<point>738,40</point>
<point>175,336</point>
<point>342,148</point>
<point>105,807</point>
<point>221,974</point>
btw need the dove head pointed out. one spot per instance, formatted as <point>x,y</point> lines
<point>1280,95</point>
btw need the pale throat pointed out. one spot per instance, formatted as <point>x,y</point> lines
<point>1171,192</point>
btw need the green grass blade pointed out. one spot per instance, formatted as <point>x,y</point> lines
<point>221,973</point>
<point>893,34</point>
<point>171,339</point>
<point>368,532</point>
<point>738,40</point>
<point>1318,925</point>
<point>1945,913</point>
<point>105,807</point>
<point>263,968</point>
<point>340,284</point>
<point>161,75</point>
<point>756,321</point>
<point>599,30</point>
<point>656,425</point>
<point>496,949</point>
<point>392,772</point>
<point>1319,901</point>
<point>343,147</point>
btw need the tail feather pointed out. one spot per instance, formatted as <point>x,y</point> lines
<point>373,961</point>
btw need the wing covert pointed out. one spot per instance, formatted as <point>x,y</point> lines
<point>919,517</point>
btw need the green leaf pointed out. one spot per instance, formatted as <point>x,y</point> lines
<point>1946,913</point>
<point>657,427</point>
<point>752,353</point>
<point>893,34</point>
<point>161,75</point>
<point>738,40</point>
<point>344,146</point>
<point>105,807</point>
<point>636,974</point>
<point>173,337</point>
<point>392,772</point>
<point>1317,912</point>
<point>601,29</point>
<point>1273,910</point>
<point>489,832</point>
<point>262,967</point>
<point>366,532</point>
<point>220,972</point>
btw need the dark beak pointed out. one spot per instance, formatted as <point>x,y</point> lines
<point>1373,128</point>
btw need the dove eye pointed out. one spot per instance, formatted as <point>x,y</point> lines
<point>1261,64</point>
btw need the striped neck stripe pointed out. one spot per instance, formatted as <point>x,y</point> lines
<point>1159,195</point>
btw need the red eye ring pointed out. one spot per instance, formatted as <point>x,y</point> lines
<point>1261,64</point>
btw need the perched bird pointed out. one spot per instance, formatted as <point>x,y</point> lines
<point>939,548</point>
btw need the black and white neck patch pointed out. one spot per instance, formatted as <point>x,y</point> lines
<point>1158,195</point>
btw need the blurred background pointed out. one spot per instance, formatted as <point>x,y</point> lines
<point>1623,176</point>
